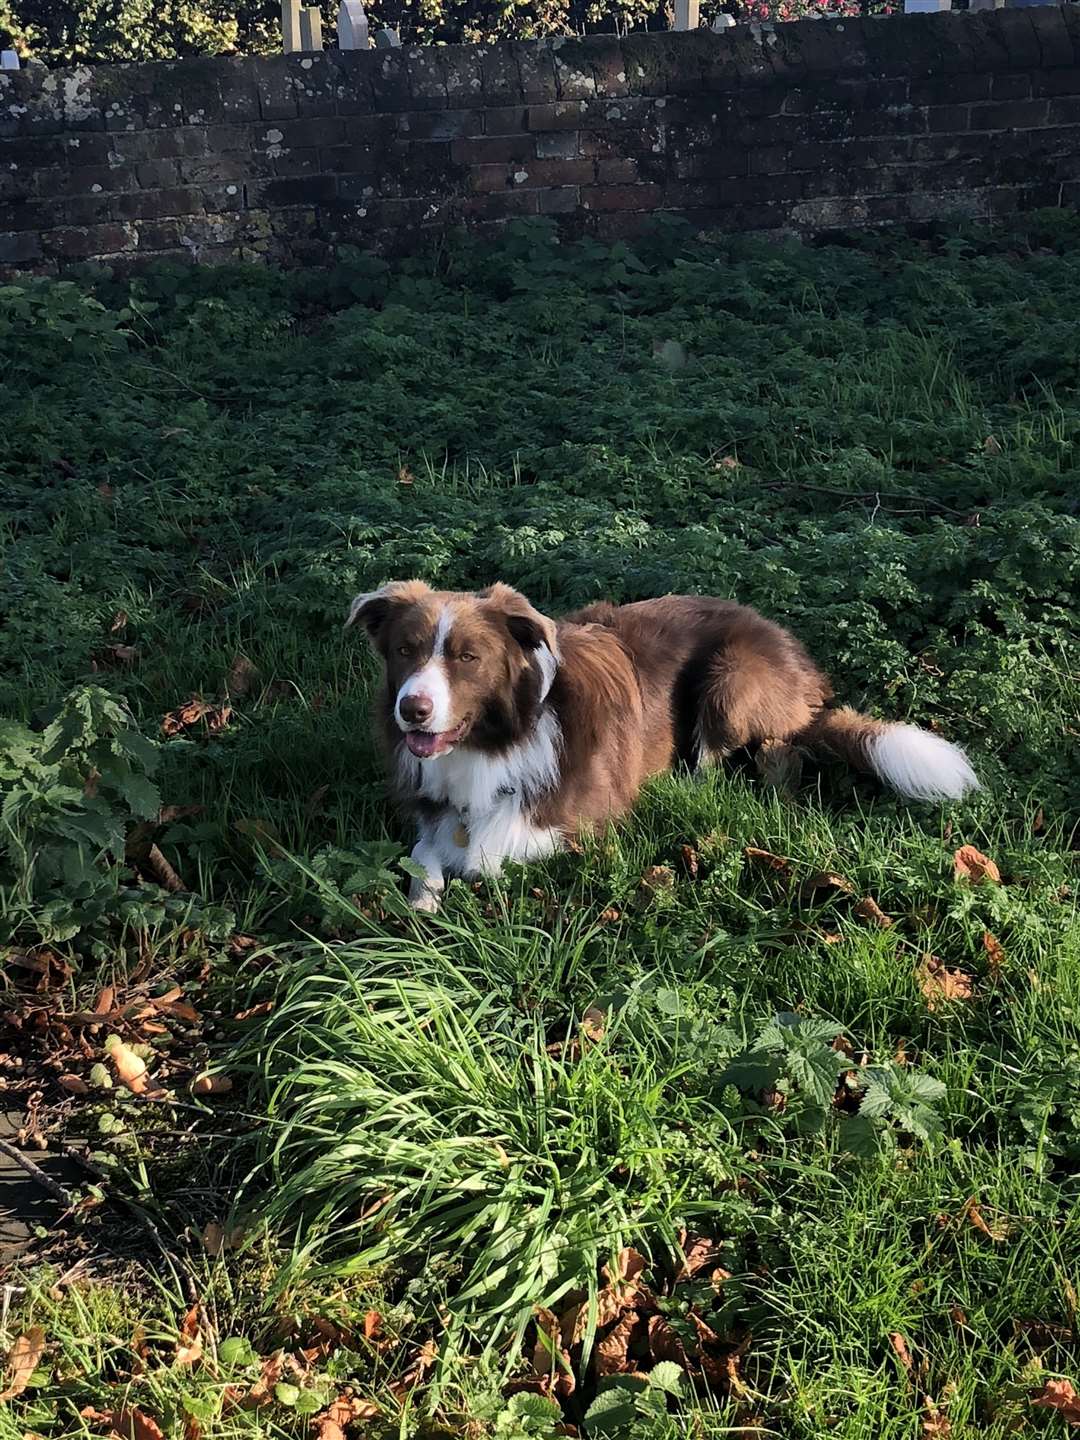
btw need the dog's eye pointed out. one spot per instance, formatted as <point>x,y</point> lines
<point>405,650</point>
<point>468,657</point>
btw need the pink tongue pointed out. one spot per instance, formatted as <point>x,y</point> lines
<point>422,744</point>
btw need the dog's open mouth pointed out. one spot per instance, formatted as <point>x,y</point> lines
<point>424,744</point>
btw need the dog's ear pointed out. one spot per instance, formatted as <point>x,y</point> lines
<point>529,628</point>
<point>373,609</point>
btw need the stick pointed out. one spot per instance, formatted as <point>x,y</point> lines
<point>36,1173</point>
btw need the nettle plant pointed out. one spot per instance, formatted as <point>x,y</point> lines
<point>68,795</point>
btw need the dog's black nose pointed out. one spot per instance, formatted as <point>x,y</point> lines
<point>416,709</point>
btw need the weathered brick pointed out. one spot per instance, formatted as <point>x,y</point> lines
<point>155,204</point>
<point>84,242</point>
<point>447,125</point>
<point>557,145</point>
<point>536,67</point>
<point>949,89</point>
<point>505,205</point>
<point>86,210</point>
<point>617,170</point>
<point>561,115</point>
<point>494,150</point>
<point>1065,110</point>
<point>426,78</point>
<point>947,118</point>
<point>157,174</point>
<point>530,175</point>
<point>19,247</point>
<point>1056,82</point>
<point>1017,114</point>
<point>293,190</point>
<point>505,119</point>
<point>769,160</point>
<point>346,160</point>
<point>562,200</point>
<point>621,197</point>
<point>1014,86</point>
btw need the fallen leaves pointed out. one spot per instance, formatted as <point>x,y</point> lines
<point>942,986</point>
<point>995,955</point>
<point>127,1423</point>
<point>825,880</point>
<point>187,716</point>
<point>766,860</point>
<point>973,866</point>
<point>1059,1395</point>
<point>996,1230</point>
<point>22,1360</point>
<point>332,1423</point>
<point>189,1344</point>
<point>903,1354</point>
<point>242,675</point>
<point>206,1084</point>
<point>869,909</point>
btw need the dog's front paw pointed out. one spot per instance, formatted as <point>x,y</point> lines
<point>426,902</point>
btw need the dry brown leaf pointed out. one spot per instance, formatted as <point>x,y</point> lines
<point>179,1009</point>
<point>690,860</point>
<point>941,986</point>
<point>263,1388</point>
<point>211,1085</point>
<point>1059,1395</point>
<point>665,1343</point>
<point>128,1424</point>
<point>216,717</point>
<point>903,1354</point>
<point>958,1316</point>
<point>213,1238</point>
<point>73,1083</point>
<point>192,1428</point>
<point>372,1323</point>
<point>118,622</point>
<point>935,1425</point>
<point>657,878</point>
<point>159,869</point>
<point>189,1345</point>
<point>612,1353</point>
<point>241,676</point>
<point>263,1008</point>
<point>23,1359</point>
<point>826,880</point>
<point>972,865</point>
<point>766,860</point>
<point>131,1068</point>
<point>971,1212</point>
<point>593,1023</point>
<point>995,955</point>
<point>105,1001</point>
<point>608,916</point>
<point>550,1357</point>
<point>869,909</point>
<point>699,1253</point>
<point>341,1413</point>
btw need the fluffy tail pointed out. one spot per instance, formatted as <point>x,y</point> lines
<point>917,764</point>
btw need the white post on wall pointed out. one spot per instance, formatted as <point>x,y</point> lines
<point>926,7</point>
<point>9,60</point>
<point>352,26</point>
<point>686,14</point>
<point>311,28</point>
<point>290,26</point>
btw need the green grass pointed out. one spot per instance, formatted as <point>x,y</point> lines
<point>446,1124</point>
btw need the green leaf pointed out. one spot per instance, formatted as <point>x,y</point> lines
<point>667,1376</point>
<point>612,1412</point>
<point>859,1136</point>
<point>236,1352</point>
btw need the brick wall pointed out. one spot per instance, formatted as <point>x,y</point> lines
<point>801,127</point>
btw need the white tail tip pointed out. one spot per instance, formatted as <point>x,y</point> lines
<point>921,766</point>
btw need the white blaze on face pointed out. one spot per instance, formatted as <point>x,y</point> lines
<point>431,680</point>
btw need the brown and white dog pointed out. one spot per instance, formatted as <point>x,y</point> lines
<point>508,732</point>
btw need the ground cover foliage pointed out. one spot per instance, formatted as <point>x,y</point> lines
<point>762,1112</point>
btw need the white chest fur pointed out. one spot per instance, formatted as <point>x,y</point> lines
<point>489,801</point>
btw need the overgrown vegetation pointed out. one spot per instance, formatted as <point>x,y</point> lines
<point>121,31</point>
<point>761,1112</point>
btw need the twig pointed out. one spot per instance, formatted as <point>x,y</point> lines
<point>36,1173</point>
<point>876,495</point>
<point>179,1269</point>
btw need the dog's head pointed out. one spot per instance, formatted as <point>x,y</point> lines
<point>467,669</point>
